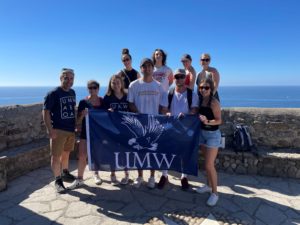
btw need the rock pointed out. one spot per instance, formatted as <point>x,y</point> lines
<point>241,170</point>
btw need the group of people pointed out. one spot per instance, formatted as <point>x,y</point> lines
<point>147,94</point>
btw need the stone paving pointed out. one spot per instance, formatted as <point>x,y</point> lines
<point>31,199</point>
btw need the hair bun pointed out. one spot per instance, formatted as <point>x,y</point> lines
<point>125,51</point>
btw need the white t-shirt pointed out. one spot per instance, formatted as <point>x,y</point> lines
<point>161,74</point>
<point>147,97</point>
<point>180,103</point>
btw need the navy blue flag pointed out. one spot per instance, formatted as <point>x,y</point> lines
<point>120,140</point>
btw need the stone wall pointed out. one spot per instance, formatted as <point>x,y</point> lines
<point>276,133</point>
<point>20,124</point>
<point>270,128</point>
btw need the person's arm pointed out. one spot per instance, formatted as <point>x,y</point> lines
<point>47,120</point>
<point>215,106</point>
<point>163,110</point>
<point>192,78</point>
<point>216,78</point>
<point>132,107</point>
<point>195,103</point>
<point>170,78</point>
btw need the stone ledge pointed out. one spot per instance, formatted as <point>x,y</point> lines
<point>282,163</point>
<point>18,161</point>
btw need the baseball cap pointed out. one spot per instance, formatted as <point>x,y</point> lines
<point>146,60</point>
<point>179,71</point>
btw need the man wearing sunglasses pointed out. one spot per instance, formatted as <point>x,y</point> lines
<point>59,118</point>
<point>182,101</point>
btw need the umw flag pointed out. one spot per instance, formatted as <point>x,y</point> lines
<point>120,140</point>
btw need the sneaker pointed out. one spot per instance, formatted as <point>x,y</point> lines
<point>66,176</point>
<point>59,186</point>
<point>137,183</point>
<point>203,189</point>
<point>125,180</point>
<point>97,179</point>
<point>151,182</point>
<point>76,183</point>
<point>212,200</point>
<point>184,184</point>
<point>162,182</point>
<point>113,180</point>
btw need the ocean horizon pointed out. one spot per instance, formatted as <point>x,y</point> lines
<point>230,96</point>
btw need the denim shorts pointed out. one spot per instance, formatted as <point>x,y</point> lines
<point>211,139</point>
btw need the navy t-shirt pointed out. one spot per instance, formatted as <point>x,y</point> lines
<point>116,104</point>
<point>61,105</point>
<point>83,104</point>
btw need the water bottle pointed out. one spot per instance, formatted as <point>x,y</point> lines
<point>223,141</point>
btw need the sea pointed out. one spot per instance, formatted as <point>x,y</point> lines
<point>230,96</point>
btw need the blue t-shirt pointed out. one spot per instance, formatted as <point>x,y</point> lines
<point>61,105</point>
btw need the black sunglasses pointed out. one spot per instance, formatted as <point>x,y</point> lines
<point>93,88</point>
<point>125,60</point>
<point>179,77</point>
<point>204,87</point>
<point>205,60</point>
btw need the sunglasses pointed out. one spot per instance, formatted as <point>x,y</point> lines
<point>92,88</point>
<point>179,77</point>
<point>125,60</point>
<point>204,87</point>
<point>205,60</point>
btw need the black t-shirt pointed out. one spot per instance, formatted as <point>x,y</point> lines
<point>129,76</point>
<point>61,105</point>
<point>116,104</point>
<point>83,104</point>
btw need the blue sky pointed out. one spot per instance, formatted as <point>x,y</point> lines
<point>252,42</point>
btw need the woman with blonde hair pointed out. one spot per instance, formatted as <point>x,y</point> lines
<point>209,72</point>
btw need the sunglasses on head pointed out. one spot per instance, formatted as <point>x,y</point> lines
<point>204,88</point>
<point>205,60</point>
<point>92,87</point>
<point>125,60</point>
<point>179,76</point>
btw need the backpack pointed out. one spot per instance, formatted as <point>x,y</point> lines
<point>189,97</point>
<point>242,141</point>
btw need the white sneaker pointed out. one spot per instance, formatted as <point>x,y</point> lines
<point>138,181</point>
<point>97,179</point>
<point>125,180</point>
<point>113,180</point>
<point>76,183</point>
<point>212,200</point>
<point>203,189</point>
<point>151,182</point>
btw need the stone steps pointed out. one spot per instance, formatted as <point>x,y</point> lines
<point>20,160</point>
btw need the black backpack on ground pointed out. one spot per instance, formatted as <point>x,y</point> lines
<point>189,97</point>
<point>242,141</point>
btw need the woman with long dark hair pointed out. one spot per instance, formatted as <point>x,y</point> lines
<point>210,136</point>
<point>162,73</point>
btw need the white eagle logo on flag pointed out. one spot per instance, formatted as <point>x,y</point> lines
<point>144,137</point>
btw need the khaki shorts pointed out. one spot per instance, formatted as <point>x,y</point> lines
<point>64,141</point>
